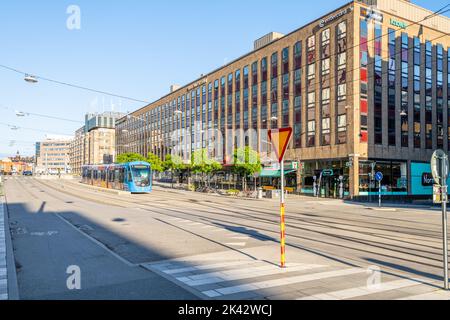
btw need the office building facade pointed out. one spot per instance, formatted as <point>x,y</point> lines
<point>54,156</point>
<point>365,89</point>
<point>94,143</point>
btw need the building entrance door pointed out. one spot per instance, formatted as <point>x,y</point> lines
<point>330,187</point>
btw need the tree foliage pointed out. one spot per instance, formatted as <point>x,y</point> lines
<point>155,162</point>
<point>130,157</point>
<point>201,163</point>
<point>173,163</point>
<point>246,162</point>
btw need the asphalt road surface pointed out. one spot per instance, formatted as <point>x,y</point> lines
<point>182,245</point>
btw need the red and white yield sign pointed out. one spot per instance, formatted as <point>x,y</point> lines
<point>280,139</point>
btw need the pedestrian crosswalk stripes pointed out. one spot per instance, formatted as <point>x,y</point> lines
<point>3,269</point>
<point>366,290</point>
<point>260,279</point>
<point>197,268</point>
<point>252,286</point>
<point>435,295</point>
<point>239,274</point>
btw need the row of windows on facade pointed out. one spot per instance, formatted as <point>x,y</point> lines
<point>410,56</point>
<point>162,117</point>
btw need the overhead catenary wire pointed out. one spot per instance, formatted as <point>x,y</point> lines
<point>42,115</point>
<point>12,126</point>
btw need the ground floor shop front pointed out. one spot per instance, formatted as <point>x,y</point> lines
<point>333,179</point>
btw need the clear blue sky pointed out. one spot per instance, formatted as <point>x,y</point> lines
<point>132,48</point>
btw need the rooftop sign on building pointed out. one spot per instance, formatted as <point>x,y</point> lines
<point>341,13</point>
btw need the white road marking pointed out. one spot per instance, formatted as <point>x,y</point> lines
<point>240,238</point>
<point>3,270</point>
<point>235,244</point>
<point>435,295</point>
<point>244,273</point>
<point>280,282</point>
<point>199,267</point>
<point>365,290</point>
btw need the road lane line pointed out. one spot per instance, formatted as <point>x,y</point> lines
<point>365,290</point>
<point>280,282</point>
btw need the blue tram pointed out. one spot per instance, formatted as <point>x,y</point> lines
<point>135,177</point>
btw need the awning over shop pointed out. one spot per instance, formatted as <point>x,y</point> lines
<point>265,173</point>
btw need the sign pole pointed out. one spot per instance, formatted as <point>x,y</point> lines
<point>280,139</point>
<point>282,218</point>
<point>379,194</point>
<point>444,224</point>
<point>439,167</point>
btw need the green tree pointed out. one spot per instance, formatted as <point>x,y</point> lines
<point>201,163</point>
<point>130,157</point>
<point>155,162</point>
<point>246,163</point>
<point>173,164</point>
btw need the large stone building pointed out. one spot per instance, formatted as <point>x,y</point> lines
<point>94,143</point>
<point>54,156</point>
<point>365,88</point>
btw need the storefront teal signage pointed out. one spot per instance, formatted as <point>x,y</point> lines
<point>421,179</point>
<point>328,173</point>
<point>399,24</point>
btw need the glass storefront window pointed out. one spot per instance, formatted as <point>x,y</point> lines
<point>394,177</point>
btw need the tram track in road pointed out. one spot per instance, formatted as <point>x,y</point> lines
<point>387,235</point>
<point>297,216</point>
<point>274,221</point>
<point>274,231</point>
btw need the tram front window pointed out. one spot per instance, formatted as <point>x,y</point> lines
<point>141,175</point>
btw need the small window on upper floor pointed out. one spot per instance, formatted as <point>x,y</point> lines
<point>342,29</point>
<point>311,43</point>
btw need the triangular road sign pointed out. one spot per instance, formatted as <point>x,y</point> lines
<point>280,139</point>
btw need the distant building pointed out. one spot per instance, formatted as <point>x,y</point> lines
<point>16,165</point>
<point>94,143</point>
<point>54,156</point>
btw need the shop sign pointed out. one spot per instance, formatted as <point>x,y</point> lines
<point>328,173</point>
<point>398,24</point>
<point>427,179</point>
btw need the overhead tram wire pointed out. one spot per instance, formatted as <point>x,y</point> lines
<point>42,115</point>
<point>74,85</point>
<point>438,12</point>
<point>16,127</point>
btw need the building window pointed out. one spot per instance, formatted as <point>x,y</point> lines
<point>392,114</point>
<point>440,96</point>
<point>428,97</point>
<point>363,80</point>
<point>378,89</point>
<point>404,93</point>
<point>274,64</point>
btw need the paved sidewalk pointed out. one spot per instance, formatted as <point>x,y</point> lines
<point>3,267</point>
